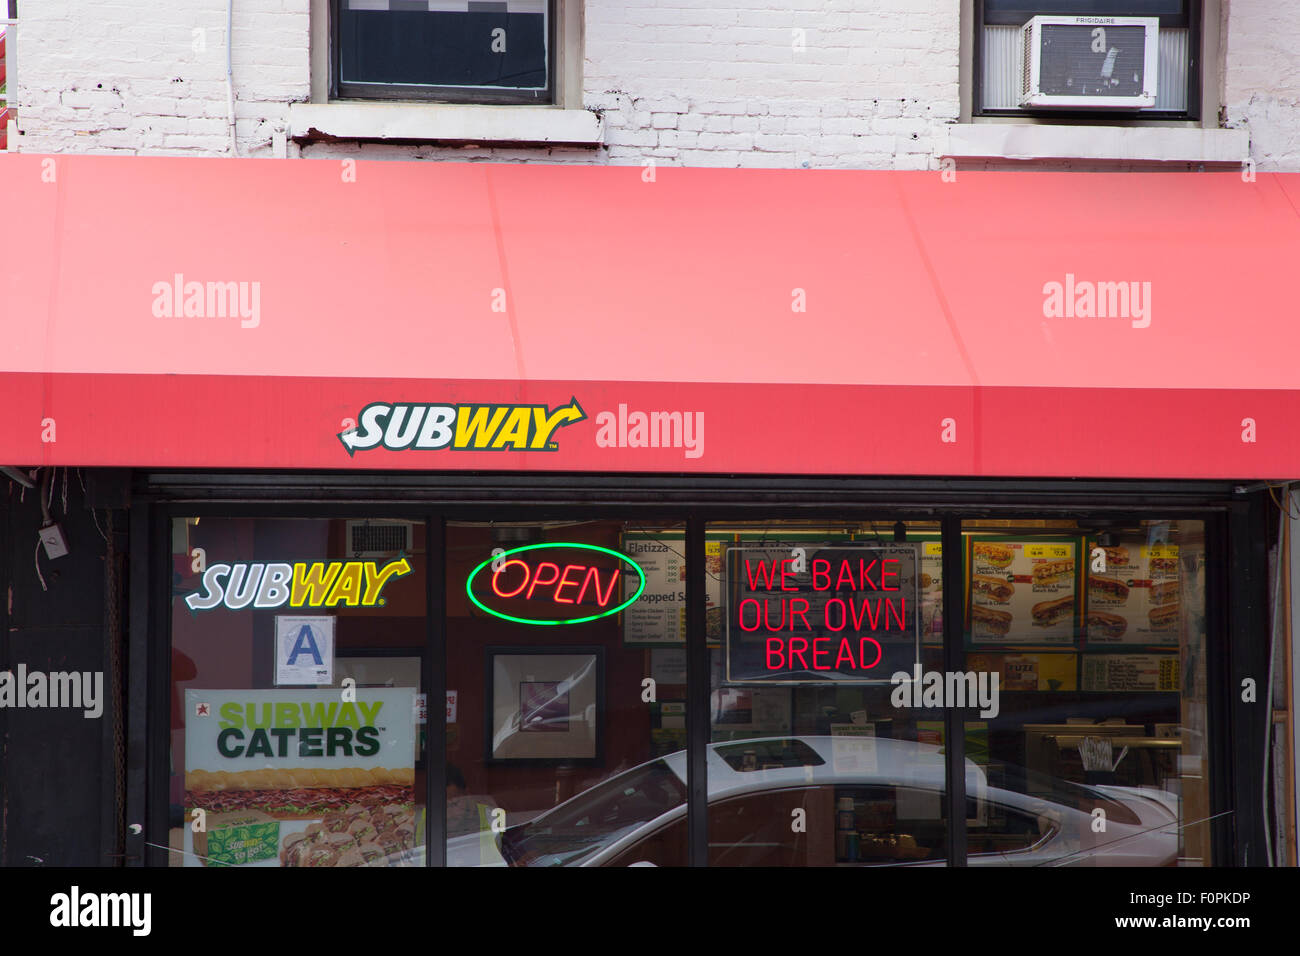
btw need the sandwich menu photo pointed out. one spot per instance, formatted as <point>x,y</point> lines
<point>1022,591</point>
<point>1133,593</point>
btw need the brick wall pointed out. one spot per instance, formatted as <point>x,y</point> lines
<point>817,83</point>
<point>1260,81</point>
<point>141,76</point>
<point>845,83</point>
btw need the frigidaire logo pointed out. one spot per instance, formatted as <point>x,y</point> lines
<point>318,584</point>
<point>402,426</point>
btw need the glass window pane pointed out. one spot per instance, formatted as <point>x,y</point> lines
<point>1111,8</point>
<point>274,760</point>
<point>407,43</point>
<point>1096,633</point>
<point>566,652</point>
<point>813,762</point>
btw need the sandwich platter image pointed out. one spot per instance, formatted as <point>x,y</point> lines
<point>1023,591</point>
<point>1137,599</point>
<point>315,778</point>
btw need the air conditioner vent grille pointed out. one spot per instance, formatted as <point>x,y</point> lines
<point>1070,67</point>
<point>1026,61</point>
<point>1102,62</point>
<point>379,538</point>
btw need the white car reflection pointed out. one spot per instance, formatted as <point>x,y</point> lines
<point>1034,821</point>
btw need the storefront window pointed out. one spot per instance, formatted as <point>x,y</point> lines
<point>298,718</point>
<point>297,721</point>
<point>566,658</point>
<point>1096,631</point>
<point>811,764</point>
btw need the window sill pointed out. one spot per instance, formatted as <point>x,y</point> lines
<point>444,123</point>
<point>1122,143</point>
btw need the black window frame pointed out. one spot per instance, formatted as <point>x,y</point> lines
<point>1236,536</point>
<point>1192,19</point>
<point>338,90</point>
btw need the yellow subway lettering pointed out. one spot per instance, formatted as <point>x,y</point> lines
<point>311,583</point>
<point>475,429</point>
<point>348,586</point>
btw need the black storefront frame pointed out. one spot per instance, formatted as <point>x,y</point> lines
<point>1236,523</point>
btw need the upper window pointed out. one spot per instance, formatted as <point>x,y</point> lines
<point>469,51</point>
<point>1067,70</point>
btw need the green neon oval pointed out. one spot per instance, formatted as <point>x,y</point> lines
<point>469,583</point>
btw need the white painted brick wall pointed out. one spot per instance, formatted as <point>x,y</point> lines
<point>149,77</point>
<point>816,83</point>
<point>1260,88</point>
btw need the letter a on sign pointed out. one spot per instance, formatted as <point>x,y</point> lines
<point>304,650</point>
<point>304,644</point>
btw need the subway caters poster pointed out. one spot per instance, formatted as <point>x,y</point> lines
<point>317,778</point>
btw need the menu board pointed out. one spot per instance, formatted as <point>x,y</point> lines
<point>1130,672</point>
<point>1036,672</point>
<point>1133,593</point>
<point>659,615</point>
<point>931,588</point>
<point>810,611</point>
<point>1022,591</point>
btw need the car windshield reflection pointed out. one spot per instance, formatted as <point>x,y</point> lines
<point>595,818</point>
<point>894,803</point>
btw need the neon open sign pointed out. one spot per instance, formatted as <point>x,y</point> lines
<point>579,581</point>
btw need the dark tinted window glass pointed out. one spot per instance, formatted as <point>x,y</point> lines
<point>1113,8</point>
<point>481,49</point>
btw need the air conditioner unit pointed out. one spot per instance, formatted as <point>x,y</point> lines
<point>1089,62</point>
<point>380,538</point>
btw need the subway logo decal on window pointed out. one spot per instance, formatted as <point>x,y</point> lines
<point>318,584</point>
<point>402,426</point>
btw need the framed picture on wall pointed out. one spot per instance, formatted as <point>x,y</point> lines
<point>545,705</point>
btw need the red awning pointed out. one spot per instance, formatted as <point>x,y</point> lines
<point>169,312</point>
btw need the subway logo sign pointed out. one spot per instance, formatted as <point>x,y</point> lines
<point>404,425</point>
<point>316,584</point>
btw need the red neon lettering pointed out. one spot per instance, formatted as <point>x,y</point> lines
<point>765,573</point>
<point>839,658</point>
<point>884,574</point>
<point>803,646</point>
<point>780,658</point>
<point>899,612</point>
<point>740,615</point>
<point>591,572</point>
<point>767,620</point>
<point>866,575</point>
<point>872,619</point>
<point>537,577</point>
<point>564,581</point>
<point>785,573</point>
<point>603,599</point>
<point>496,575</point>
<point>825,574</point>
<point>592,575</point>
<point>862,653</point>
<point>801,611</point>
<point>818,650</point>
<point>839,581</point>
<point>843,615</point>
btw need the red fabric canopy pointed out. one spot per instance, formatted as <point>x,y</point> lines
<point>175,312</point>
